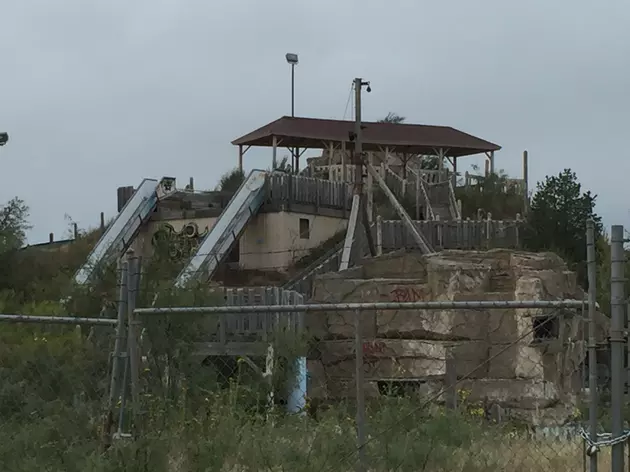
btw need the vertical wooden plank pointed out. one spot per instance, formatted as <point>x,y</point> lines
<point>254,299</point>
<point>370,189</point>
<point>379,235</point>
<point>223,321</point>
<point>344,177</point>
<point>438,224</point>
<point>451,381</point>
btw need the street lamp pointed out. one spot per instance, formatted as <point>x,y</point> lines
<point>4,138</point>
<point>293,60</point>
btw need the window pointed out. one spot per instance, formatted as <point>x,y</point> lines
<point>546,327</point>
<point>305,230</point>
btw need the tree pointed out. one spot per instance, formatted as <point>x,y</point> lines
<point>491,194</point>
<point>557,219</point>
<point>426,162</point>
<point>282,166</point>
<point>13,225</point>
<point>231,181</point>
<point>393,118</point>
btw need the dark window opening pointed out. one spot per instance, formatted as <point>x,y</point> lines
<point>546,327</point>
<point>305,230</point>
<point>234,255</point>
<point>396,388</point>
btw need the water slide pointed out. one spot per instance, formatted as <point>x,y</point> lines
<point>217,244</point>
<point>123,230</point>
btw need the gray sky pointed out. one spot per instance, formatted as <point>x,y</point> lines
<point>101,94</point>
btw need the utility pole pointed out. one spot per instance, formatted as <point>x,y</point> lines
<point>356,137</point>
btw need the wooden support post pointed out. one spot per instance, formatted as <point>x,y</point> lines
<point>451,381</point>
<point>379,235</point>
<point>418,237</point>
<point>489,230</point>
<point>133,350</point>
<point>454,172</point>
<point>331,160</point>
<point>344,177</point>
<point>370,190</point>
<point>352,225</point>
<point>240,157</point>
<point>102,222</point>
<point>368,229</point>
<point>51,238</point>
<point>492,162</point>
<point>418,183</point>
<point>274,154</point>
<point>525,182</point>
<point>487,170</point>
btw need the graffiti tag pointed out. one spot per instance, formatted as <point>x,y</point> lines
<point>374,347</point>
<point>406,294</point>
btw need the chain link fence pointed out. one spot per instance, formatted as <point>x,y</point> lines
<point>207,378</point>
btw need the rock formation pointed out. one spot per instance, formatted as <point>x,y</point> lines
<point>525,361</point>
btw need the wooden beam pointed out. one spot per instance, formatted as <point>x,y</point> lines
<point>370,190</point>
<point>419,238</point>
<point>274,158</point>
<point>331,151</point>
<point>343,162</point>
<point>352,225</point>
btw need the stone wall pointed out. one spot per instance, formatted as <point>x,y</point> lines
<point>506,357</point>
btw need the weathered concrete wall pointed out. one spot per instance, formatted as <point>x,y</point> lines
<point>270,241</point>
<point>503,356</point>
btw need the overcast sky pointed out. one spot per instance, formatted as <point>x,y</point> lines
<point>100,94</point>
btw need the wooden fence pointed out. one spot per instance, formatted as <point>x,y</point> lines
<point>465,234</point>
<point>248,333</point>
<point>287,188</point>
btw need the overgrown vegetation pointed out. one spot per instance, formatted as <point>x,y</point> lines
<point>213,414</point>
<point>492,194</point>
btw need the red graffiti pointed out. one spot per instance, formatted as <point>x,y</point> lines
<point>406,294</point>
<point>373,347</point>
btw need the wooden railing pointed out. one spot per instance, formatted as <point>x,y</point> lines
<point>510,184</point>
<point>466,234</point>
<point>287,188</point>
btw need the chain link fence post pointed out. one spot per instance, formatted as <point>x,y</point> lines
<point>133,284</point>
<point>617,302</point>
<point>360,392</point>
<point>116,386</point>
<point>592,341</point>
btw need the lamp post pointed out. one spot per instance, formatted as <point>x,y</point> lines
<point>4,138</point>
<point>292,59</point>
